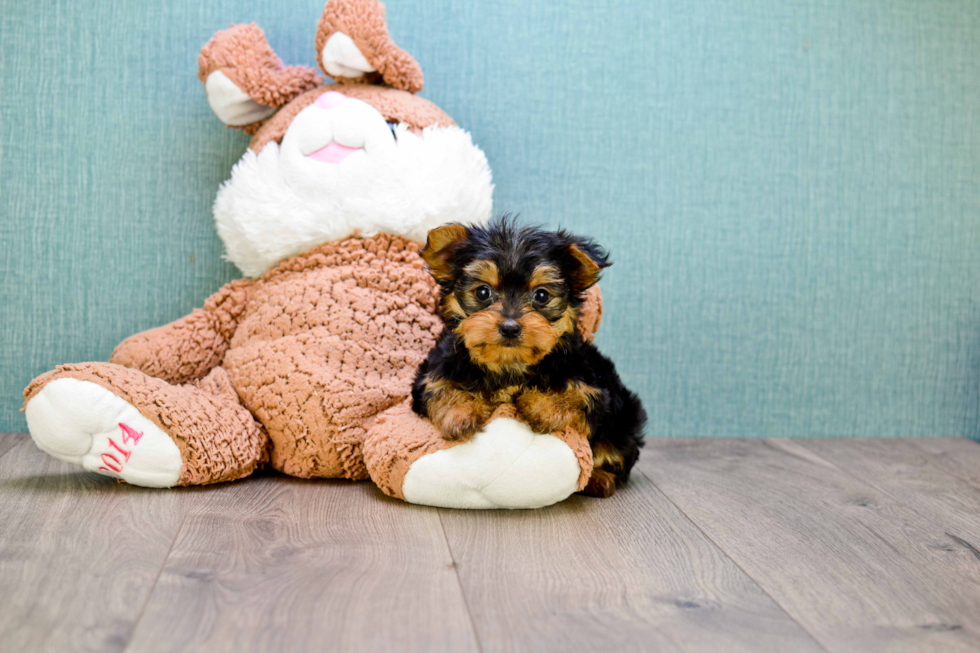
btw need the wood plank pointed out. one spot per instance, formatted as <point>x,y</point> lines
<point>625,573</point>
<point>8,440</point>
<point>282,564</point>
<point>913,477</point>
<point>79,553</point>
<point>959,456</point>
<point>859,570</point>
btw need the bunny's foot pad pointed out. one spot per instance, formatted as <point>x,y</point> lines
<point>506,465</point>
<point>84,424</point>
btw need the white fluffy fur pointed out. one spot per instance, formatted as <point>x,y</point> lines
<point>278,203</point>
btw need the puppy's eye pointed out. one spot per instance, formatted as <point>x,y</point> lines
<point>393,126</point>
<point>483,293</point>
<point>541,296</point>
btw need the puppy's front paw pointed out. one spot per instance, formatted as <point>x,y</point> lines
<point>547,412</point>
<point>462,422</point>
<point>602,484</point>
<point>459,414</point>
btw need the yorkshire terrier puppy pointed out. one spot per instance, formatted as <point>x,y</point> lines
<point>510,298</point>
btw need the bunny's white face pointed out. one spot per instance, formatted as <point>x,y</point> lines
<point>328,138</point>
<point>342,170</point>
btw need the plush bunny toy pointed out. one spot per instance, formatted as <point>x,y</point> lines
<point>306,365</point>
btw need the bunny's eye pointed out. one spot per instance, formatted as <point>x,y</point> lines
<point>393,126</point>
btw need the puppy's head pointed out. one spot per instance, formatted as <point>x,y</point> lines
<point>511,293</point>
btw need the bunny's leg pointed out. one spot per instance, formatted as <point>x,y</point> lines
<point>123,423</point>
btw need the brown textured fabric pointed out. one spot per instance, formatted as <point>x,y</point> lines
<point>245,57</point>
<point>364,22</point>
<point>217,437</point>
<point>330,339</point>
<point>590,316</point>
<point>396,106</point>
<point>579,444</point>
<point>186,350</point>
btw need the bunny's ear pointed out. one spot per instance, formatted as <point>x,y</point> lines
<point>352,42</point>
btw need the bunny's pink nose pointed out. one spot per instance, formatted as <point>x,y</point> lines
<point>330,99</point>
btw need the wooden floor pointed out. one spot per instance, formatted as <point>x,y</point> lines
<point>716,545</point>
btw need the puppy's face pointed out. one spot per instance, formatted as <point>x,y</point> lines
<point>510,293</point>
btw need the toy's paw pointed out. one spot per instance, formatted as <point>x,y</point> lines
<point>84,424</point>
<point>506,465</point>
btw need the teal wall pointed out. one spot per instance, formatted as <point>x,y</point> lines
<point>789,187</point>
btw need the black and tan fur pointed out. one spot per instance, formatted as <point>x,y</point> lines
<point>510,300</point>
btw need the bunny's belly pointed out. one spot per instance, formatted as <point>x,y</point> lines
<point>332,338</point>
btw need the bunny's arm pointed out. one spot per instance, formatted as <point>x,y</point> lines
<point>245,81</point>
<point>187,349</point>
<point>590,313</point>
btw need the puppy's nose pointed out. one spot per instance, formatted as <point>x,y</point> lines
<point>510,328</point>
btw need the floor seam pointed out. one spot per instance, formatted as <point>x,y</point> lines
<point>924,514</point>
<point>153,587</point>
<point>949,470</point>
<point>459,583</point>
<point>734,562</point>
<point>18,438</point>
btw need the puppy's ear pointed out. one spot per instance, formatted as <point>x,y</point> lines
<point>439,246</point>
<point>587,262</point>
